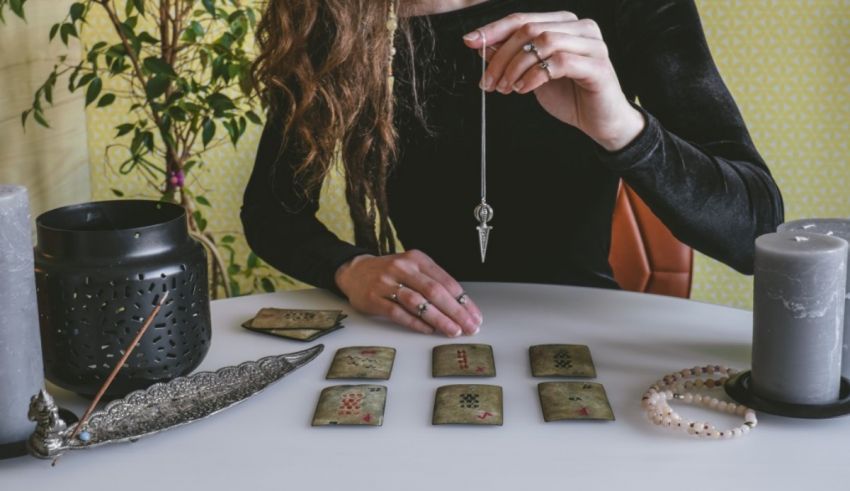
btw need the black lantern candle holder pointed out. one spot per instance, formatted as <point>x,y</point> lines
<point>101,268</point>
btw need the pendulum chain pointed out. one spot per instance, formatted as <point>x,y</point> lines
<point>483,212</point>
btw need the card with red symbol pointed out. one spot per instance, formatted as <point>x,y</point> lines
<point>574,400</point>
<point>351,405</point>
<point>297,324</point>
<point>362,362</point>
<point>468,405</point>
<point>463,360</point>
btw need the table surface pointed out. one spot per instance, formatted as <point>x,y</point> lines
<point>268,442</point>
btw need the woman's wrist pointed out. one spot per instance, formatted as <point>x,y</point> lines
<point>630,125</point>
<point>341,276</point>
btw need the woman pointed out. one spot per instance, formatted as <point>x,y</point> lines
<point>561,136</point>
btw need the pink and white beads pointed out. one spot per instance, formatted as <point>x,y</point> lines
<point>673,387</point>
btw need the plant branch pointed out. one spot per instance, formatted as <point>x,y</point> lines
<point>210,246</point>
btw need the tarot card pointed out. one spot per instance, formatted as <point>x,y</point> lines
<point>351,405</point>
<point>463,360</point>
<point>574,400</point>
<point>364,362</point>
<point>273,318</point>
<point>468,405</point>
<point>305,335</point>
<point>561,360</point>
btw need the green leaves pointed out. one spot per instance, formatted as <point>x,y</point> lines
<point>158,66</point>
<point>252,116</point>
<point>220,104</point>
<point>106,100</point>
<point>123,129</point>
<point>200,221</point>
<point>208,131</point>
<point>156,86</point>
<point>177,101</point>
<point>77,10</point>
<point>67,31</point>
<point>267,284</point>
<point>17,7</point>
<point>209,5</point>
<point>93,90</point>
<point>138,5</point>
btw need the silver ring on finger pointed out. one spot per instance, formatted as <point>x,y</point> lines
<point>463,298</point>
<point>422,308</point>
<point>394,296</point>
<point>529,47</point>
<point>545,64</point>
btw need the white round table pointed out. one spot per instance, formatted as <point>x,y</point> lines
<point>268,442</point>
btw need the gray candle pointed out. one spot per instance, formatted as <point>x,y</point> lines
<point>837,227</point>
<point>21,370</point>
<point>798,314</point>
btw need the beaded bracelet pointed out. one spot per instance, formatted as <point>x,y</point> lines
<point>673,387</point>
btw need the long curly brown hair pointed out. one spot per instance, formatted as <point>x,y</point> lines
<point>323,67</point>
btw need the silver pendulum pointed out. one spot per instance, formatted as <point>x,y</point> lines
<point>483,212</point>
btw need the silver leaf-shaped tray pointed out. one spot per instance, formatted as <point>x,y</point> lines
<point>159,407</point>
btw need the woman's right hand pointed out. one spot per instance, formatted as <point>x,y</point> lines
<point>399,285</point>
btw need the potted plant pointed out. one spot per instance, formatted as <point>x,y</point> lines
<point>184,67</point>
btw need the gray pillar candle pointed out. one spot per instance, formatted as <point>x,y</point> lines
<point>21,370</point>
<point>837,227</point>
<point>798,312</point>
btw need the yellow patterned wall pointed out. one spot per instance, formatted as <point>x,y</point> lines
<point>787,62</point>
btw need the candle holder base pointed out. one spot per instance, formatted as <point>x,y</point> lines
<point>19,449</point>
<point>739,389</point>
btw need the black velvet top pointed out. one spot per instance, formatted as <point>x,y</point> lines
<point>553,189</point>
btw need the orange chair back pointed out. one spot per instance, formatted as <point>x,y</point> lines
<point>645,256</point>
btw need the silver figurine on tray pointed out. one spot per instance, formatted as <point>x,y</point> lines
<point>159,407</point>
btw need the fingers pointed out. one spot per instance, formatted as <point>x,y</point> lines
<point>412,290</point>
<point>500,30</point>
<point>583,35</point>
<point>551,30</point>
<point>399,315</point>
<point>417,305</point>
<point>453,287</point>
<point>547,45</point>
<point>562,65</point>
<point>450,317</point>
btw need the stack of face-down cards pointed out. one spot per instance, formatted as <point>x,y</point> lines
<point>297,324</point>
<point>466,404</point>
<point>356,404</point>
<point>568,400</point>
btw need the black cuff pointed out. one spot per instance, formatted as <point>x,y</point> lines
<point>637,151</point>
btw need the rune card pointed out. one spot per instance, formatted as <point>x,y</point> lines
<point>561,360</point>
<point>274,318</point>
<point>463,360</point>
<point>574,400</point>
<point>305,335</point>
<point>351,405</point>
<point>362,362</point>
<point>468,405</point>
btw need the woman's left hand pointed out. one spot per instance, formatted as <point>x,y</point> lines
<point>579,87</point>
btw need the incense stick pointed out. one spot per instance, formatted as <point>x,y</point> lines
<point>118,366</point>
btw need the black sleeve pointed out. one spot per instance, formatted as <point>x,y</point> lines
<point>280,222</point>
<point>694,164</point>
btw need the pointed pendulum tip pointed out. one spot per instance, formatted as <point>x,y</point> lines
<point>483,213</point>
